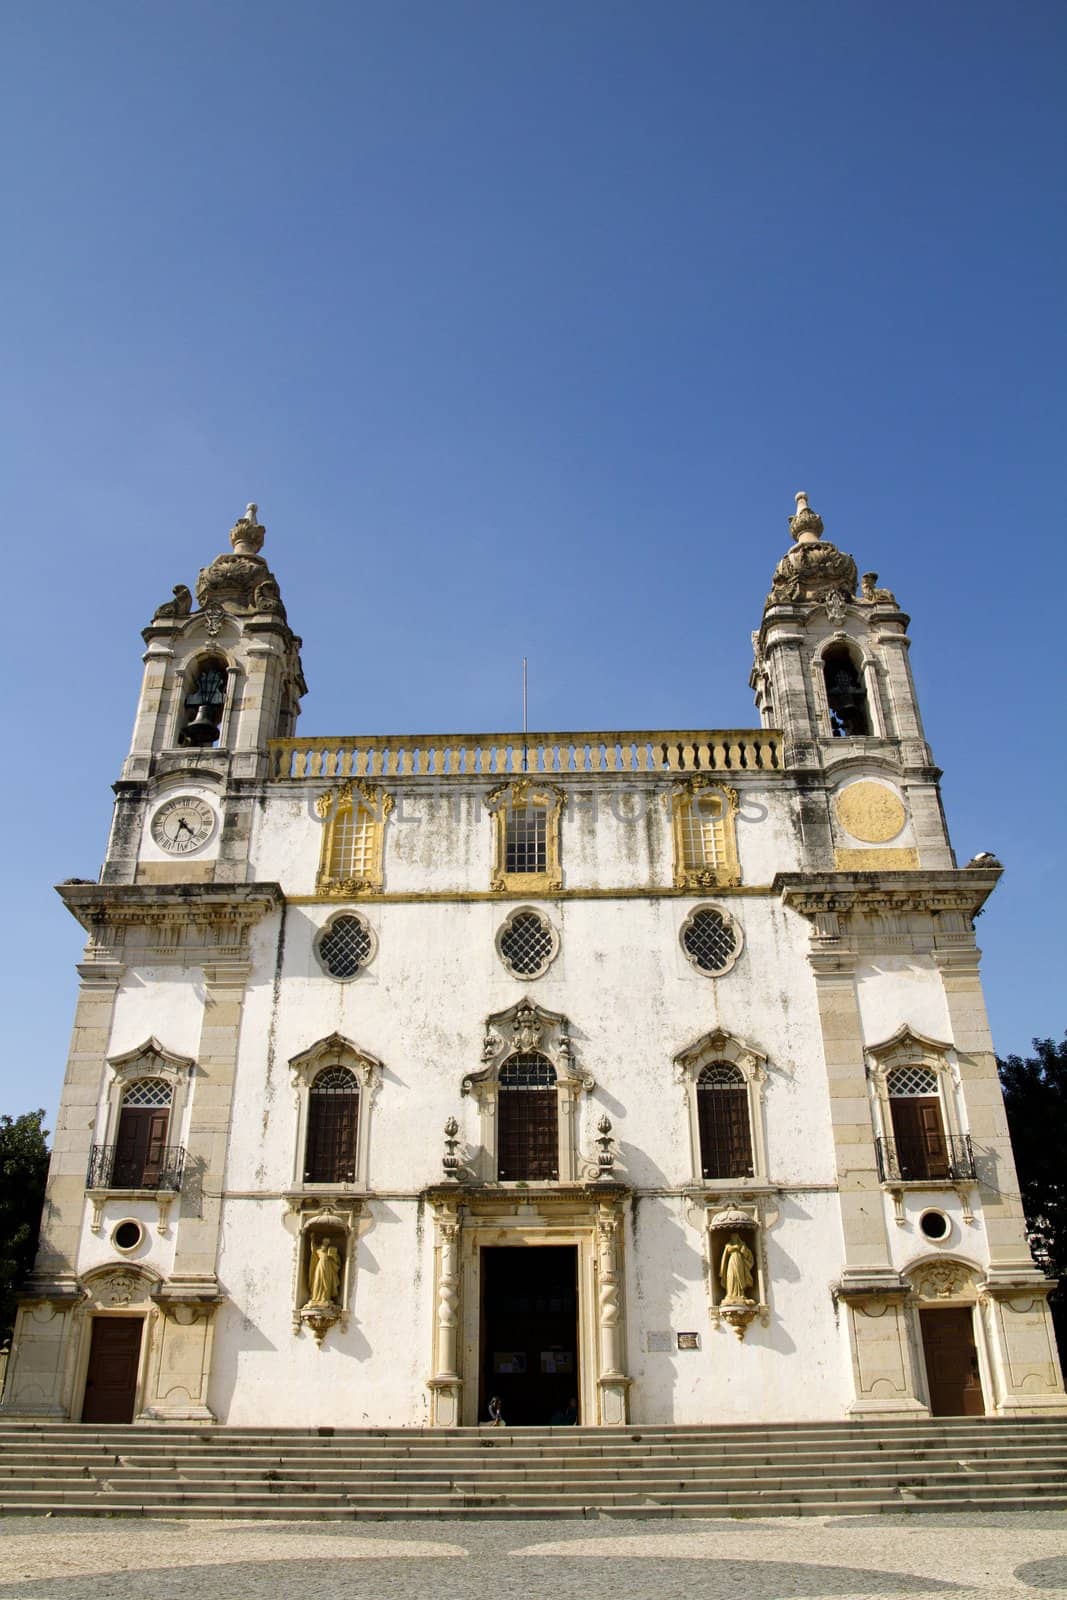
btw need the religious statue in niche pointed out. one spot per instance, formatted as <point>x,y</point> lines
<point>735,1272</point>
<point>325,1274</point>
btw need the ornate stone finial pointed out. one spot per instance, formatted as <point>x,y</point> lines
<point>248,533</point>
<point>806,525</point>
<point>450,1160</point>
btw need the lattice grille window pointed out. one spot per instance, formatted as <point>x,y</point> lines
<point>723,1118</point>
<point>703,831</point>
<point>526,839</point>
<point>528,1120</point>
<point>711,940</point>
<point>527,944</point>
<point>352,844</point>
<point>346,947</point>
<point>151,1092</point>
<point>908,1082</point>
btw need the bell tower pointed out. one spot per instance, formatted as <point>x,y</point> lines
<point>832,671</point>
<point>222,678</point>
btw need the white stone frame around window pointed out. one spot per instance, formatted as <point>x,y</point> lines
<point>504,929</point>
<point>522,1029</point>
<point>906,1048</point>
<point>148,1060</point>
<point>335,1051</point>
<point>752,1064</point>
<point>335,916</point>
<point>734,927</point>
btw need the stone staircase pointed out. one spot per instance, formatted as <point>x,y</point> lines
<point>798,1469</point>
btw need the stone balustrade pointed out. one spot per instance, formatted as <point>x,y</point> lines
<point>498,755</point>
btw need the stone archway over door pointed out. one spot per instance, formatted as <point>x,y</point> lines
<point>111,1377</point>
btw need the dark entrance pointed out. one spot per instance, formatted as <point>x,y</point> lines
<point>952,1363</point>
<point>529,1332</point>
<point>111,1382</point>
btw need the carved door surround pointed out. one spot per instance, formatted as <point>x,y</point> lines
<point>590,1218</point>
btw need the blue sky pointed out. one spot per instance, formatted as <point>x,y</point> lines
<point>523,322</point>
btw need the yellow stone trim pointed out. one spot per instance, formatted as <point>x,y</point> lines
<point>334,807</point>
<point>546,797</point>
<point>870,811</point>
<point>722,802</point>
<point>902,860</point>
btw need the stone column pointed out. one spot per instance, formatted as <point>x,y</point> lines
<point>38,1379</point>
<point>445,1385</point>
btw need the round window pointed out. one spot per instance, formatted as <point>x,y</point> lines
<point>711,940</point>
<point>346,946</point>
<point>527,943</point>
<point>934,1224</point>
<point>127,1236</point>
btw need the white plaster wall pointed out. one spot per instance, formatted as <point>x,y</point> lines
<point>895,990</point>
<point>438,837</point>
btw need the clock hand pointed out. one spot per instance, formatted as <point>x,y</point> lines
<point>183,824</point>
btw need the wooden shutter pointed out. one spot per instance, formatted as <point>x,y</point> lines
<point>921,1148</point>
<point>140,1147</point>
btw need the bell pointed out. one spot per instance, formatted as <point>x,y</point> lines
<point>203,729</point>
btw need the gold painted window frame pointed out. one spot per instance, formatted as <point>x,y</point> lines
<point>695,794</point>
<point>501,801</point>
<point>335,808</point>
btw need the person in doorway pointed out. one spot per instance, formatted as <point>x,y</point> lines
<point>496,1419</point>
<point>566,1418</point>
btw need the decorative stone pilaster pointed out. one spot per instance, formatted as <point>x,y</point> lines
<point>612,1382</point>
<point>445,1383</point>
<point>884,1356</point>
<point>180,1356</point>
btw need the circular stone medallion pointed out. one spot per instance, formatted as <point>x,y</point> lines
<point>870,812</point>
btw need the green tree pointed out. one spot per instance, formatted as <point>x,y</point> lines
<point>23,1169</point>
<point>1035,1097</point>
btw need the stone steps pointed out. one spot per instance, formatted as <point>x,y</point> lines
<point>713,1471</point>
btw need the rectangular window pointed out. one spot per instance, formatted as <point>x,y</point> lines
<point>922,1152</point>
<point>703,836</point>
<point>352,845</point>
<point>526,840</point>
<point>725,1142</point>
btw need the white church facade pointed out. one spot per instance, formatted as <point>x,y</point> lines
<point>639,1076</point>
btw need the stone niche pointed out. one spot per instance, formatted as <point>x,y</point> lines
<point>326,1238</point>
<point>737,1274</point>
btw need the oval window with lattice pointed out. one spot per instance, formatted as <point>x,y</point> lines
<point>527,943</point>
<point>711,940</point>
<point>346,946</point>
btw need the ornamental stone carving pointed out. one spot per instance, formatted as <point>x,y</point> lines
<point>812,570</point>
<point>942,1280</point>
<point>241,579</point>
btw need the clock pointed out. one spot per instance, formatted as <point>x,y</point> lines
<point>183,824</point>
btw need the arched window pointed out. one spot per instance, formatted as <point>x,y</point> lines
<point>202,724</point>
<point>846,696</point>
<point>528,1119</point>
<point>918,1127</point>
<point>332,1127</point>
<point>723,1120</point>
<point>140,1158</point>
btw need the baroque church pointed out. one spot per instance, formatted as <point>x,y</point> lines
<point>618,1077</point>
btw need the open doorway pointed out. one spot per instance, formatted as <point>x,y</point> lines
<point>951,1362</point>
<point>529,1333</point>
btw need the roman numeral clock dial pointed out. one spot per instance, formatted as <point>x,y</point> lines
<point>183,824</point>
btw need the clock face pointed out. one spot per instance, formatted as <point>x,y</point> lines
<point>183,824</point>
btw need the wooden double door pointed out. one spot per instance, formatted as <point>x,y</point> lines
<point>952,1362</point>
<point>114,1359</point>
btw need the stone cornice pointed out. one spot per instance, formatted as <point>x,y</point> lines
<point>175,921</point>
<point>962,890</point>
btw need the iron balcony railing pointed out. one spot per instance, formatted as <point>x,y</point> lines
<point>160,1169</point>
<point>948,1158</point>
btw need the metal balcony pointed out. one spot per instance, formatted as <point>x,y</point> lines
<point>946,1159</point>
<point>160,1169</point>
